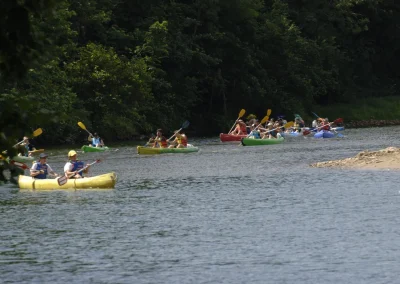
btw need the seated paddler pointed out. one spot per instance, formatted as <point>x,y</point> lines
<point>73,166</point>
<point>95,140</point>
<point>240,128</point>
<point>40,169</point>
<point>180,140</point>
<point>160,141</point>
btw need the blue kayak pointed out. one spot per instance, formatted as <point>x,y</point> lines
<point>324,134</point>
<point>314,129</point>
<point>292,134</point>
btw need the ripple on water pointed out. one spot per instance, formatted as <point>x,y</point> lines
<point>227,214</point>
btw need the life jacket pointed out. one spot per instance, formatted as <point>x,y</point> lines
<point>243,127</point>
<point>162,141</point>
<point>95,141</point>
<point>255,134</point>
<point>77,165</point>
<point>39,167</point>
<point>182,140</point>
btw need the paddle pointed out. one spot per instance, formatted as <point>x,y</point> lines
<point>317,116</point>
<point>185,124</point>
<point>268,112</point>
<point>19,165</point>
<point>35,133</point>
<point>264,120</point>
<point>63,180</point>
<point>241,113</point>
<point>36,151</point>
<point>81,125</point>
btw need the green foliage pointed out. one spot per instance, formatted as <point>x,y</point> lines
<point>126,67</point>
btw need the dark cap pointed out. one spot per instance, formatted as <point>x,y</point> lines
<point>43,155</point>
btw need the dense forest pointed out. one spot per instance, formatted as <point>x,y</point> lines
<point>127,67</point>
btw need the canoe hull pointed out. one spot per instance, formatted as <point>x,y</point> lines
<point>23,159</point>
<point>292,134</point>
<point>324,134</point>
<point>259,142</point>
<point>155,151</point>
<point>86,148</point>
<point>231,138</point>
<point>102,181</point>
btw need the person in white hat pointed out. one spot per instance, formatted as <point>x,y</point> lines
<point>41,169</point>
<point>72,167</point>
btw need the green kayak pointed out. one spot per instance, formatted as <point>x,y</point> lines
<point>23,159</point>
<point>86,148</point>
<point>256,142</point>
<point>154,151</point>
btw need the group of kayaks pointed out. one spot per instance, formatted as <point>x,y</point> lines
<point>108,180</point>
<point>246,141</point>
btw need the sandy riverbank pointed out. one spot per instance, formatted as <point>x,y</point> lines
<point>388,158</point>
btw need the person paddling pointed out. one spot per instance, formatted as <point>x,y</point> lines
<point>160,141</point>
<point>73,165</point>
<point>96,140</point>
<point>240,128</point>
<point>27,147</point>
<point>40,169</point>
<point>180,140</point>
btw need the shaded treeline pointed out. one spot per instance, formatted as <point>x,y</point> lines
<point>127,67</point>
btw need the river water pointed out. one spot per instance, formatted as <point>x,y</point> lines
<point>227,214</point>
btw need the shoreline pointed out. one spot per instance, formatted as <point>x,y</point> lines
<point>388,158</point>
<point>371,123</point>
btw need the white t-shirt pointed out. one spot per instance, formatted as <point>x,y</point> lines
<point>68,167</point>
<point>34,168</point>
<point>314,123</point>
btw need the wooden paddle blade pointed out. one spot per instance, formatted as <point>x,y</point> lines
<point>269,112</point>
<point>242,112</point>
<point>185,124</point>
<point>289,124</point>
<point>62,180</point>
<point>37,132</point>
<point>36,151</point>
<point>264,120</point>
<point>81,125</point>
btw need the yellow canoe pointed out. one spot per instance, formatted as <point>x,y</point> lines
<point>102,181</point>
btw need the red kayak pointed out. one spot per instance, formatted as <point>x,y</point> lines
<point>230,137</point>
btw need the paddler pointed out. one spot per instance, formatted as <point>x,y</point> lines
<point>73,165</point>
<point>160,141</point>
<point>240,128</point>
<point>40,169</point>
<point>28,147</point>
<point>96,140</point>
<point>180,140</point>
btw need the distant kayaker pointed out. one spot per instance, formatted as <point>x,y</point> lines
<point>240,128</point>
<point>180,140</point>
<point>28,147</point>
<point>73,165</point>
<point>96,140</point>
<point>41,169</point>
<point>160,141</point>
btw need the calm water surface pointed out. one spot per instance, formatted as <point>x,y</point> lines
<point>227,214</point>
